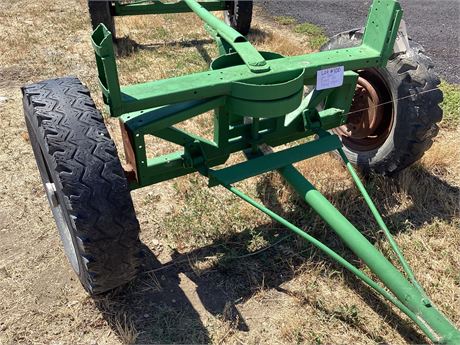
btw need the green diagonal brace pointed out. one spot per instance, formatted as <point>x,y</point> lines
<point>407,293</point>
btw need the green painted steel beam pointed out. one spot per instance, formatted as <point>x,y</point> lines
<point>251,57</point>
<point>378,218</point>
<point>158,7</point>
<point>381,27</point>
<point>109,83</point>
<point>219,82</point>
<point>148,121</point>
<point>273,161</point>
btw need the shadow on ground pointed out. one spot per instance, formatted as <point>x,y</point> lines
<point>126,46</point>
<point>161,312</point>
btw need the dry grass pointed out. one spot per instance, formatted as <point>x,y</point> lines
<point>216,271</point>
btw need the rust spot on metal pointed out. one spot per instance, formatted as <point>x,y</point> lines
<point>130,166</point>
<point>370,122</point>
<point>365,114</point>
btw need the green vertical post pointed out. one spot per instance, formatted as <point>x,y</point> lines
<point>407,293</point>
<point>107,69</point>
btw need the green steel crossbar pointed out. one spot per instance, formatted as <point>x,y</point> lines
<point>158,7</point>
<point>259,98</point>
<point>276,160</point>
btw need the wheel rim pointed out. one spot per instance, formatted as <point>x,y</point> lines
<point>229,14</point>
<point>62,225</point>
<point>55,200</point>
<point>371,114</point>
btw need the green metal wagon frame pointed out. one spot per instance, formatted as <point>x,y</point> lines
<point>259,101</point>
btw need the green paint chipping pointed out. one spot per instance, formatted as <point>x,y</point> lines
<point>451,104</point>
<point>317,36</point>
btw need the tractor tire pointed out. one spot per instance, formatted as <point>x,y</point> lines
<point>239,15</point>
<point>84,182</point>
<point>388,138</point>
<point>101,12</point>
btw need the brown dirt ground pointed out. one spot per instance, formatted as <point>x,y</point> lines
<point>217,272</point>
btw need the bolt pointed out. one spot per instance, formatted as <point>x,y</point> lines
<point>426,302</point>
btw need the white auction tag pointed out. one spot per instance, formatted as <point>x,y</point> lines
<point>329,78</point>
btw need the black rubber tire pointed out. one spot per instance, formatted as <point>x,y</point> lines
<point>94,213</point>
<point>239,15</point>
<point>413,87</point>
<point>101,12</point>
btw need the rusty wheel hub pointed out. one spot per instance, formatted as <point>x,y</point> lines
<point>369,122</point>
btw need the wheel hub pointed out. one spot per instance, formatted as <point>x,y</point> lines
<point>366,115</point>
<point>371,115</point>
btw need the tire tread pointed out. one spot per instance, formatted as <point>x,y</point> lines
<point>418,104</point>
<point>84,158</point>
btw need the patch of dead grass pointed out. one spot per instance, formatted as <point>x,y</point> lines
<point>246,282</point>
